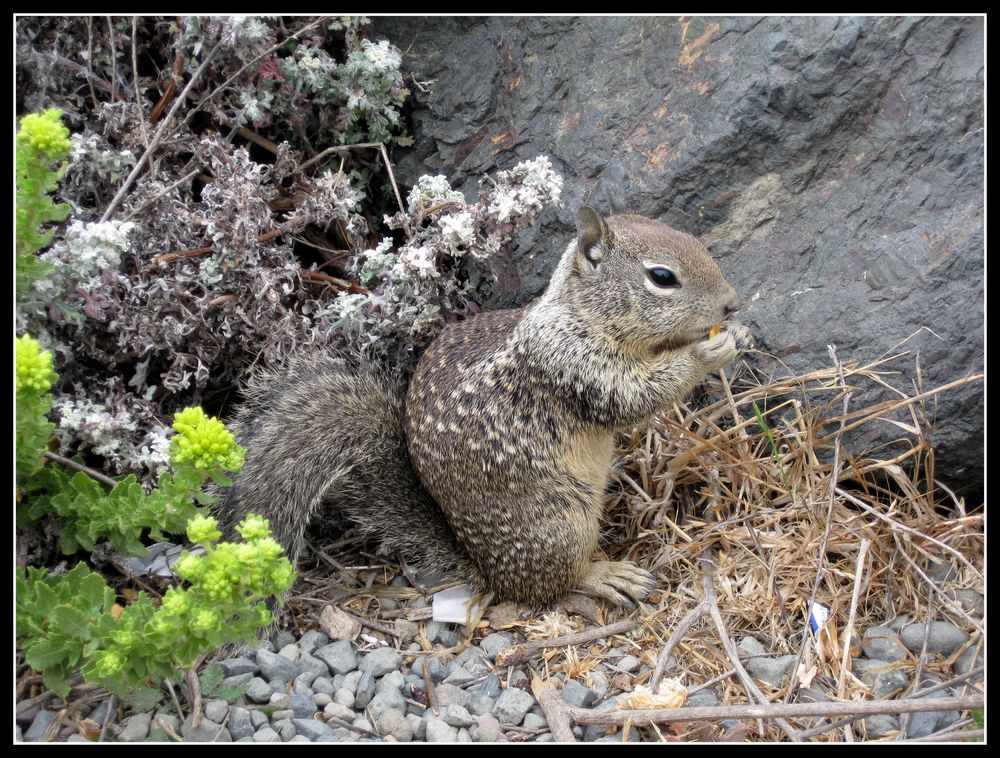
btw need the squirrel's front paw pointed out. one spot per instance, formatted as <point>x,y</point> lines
<point>716,352</point>
<point>741,334</point>
<point>610,579</point>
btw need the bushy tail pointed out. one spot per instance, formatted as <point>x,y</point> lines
<point>324,432</point>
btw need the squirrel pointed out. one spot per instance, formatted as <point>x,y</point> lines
<point>491,465</point>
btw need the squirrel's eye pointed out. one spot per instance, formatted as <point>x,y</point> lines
<point>662,277</point>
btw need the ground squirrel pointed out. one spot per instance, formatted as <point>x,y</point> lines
<point>494,467</point>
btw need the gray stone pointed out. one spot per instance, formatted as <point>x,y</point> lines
<point>511,706</point>
<point>464,735</point>
<point>439,731</point>
<point>970,601</point>
<point>883,643</point>
<point>303,682</point>
<point>716,130</point>
<point>100,712</point>
<point>279,699</point>
<point>338,711</point>
<point>473,660</point>
<point>702,699</point>
<point>487,729</point>
<point>392,681</point>
<point>291,652</point>
<point>490,687</point>
<point>449,693</point>
<point>241,665</point>
<point>866,669</point>
<point>494,643</point>
<point>437,669</point>
<point>921,724</point>
<point>39,724</point>
<point>216,710</point>
<point>406,631</point>
<point>310,664</point>
<point>266,734</point>
<point>628,663</point>
<point>302,738</point>
<point>166,722</point>
<point>18,737</point>
<point>942,637</point>
<point>633,736</point>
<point>771,670</point>
<point>750,646</point>
<point>380,662</point>
<point>365,690</point>
<point>480,704</point>
<point>389,698</point>
<point>344,696</point>
<point>282,638</point>
<point>418,726</point>
<point>206,731</point>
<point>812,695</point>
<point>534,721</point>
<point>27,715</point>
<point>265,645</point>
<point>458,676</point>
<point>259,718</point>
<point>240,723</point>
<point>339,656</point>
<point>392,722</point>
<point>324,685</point>
<point>286,730</point>
<point>276,667</point>
<point>321,699</point>
<point>237,680</point>
<point>899,622</point>
<point>577,695</point>
<point>302,704</point>
<point>311,728</point>
<point>312,640</point>
<point>888,682</point>
<point>967,661</point>
<point>598,681</point>
<point>361,722</point>
<point>136,728</point>
<point>281,715</point>
<point>457,716</point>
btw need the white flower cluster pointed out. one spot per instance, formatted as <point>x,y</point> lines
<point>382,56</point>
<point>94,247</point>
<point>535,184</point>
<point>458,232</point>
<point>416,260</point>
<point>97,156</point>
<point>431,190</point>
<point>91,425</point>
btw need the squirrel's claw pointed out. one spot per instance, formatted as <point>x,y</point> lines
<point>610,579</point>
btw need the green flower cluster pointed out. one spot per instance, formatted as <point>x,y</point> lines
<point>46,134</point>
<point>204,442</point>
<point>34,366</point>
<point>68,622</point>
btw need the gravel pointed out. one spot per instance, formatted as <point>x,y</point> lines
<point>312,689</point>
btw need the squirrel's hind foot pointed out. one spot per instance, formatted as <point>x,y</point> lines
<point>617,582</point>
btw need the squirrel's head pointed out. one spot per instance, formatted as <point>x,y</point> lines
<point>650,287</point>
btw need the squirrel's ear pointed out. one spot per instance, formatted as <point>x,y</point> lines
<point>590,232</point>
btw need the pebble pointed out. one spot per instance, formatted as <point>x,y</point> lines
<point>628,663</point>
<point>338,711</point>
<point>883,643</point>
<point>440,731</point>
<point>165,722</point>
<point>312,640</point>
<point>380,662</point>
<point>771,670</point>
<point>311,728</point>
<point>324,685</point>
<point>216,710</point>
<point>577,695</point>
<point>38,725</point>
<point>970,659</point>
<point>449,693</point>
<point>340,657</point>
<point>206,731</point>
<point>275,667</point>
<point>511,706</point>
<point>942,637</point>
<point>136,728</point>
<point>492,644</point>
<point>266,734</point>
<point>889,682</point>
<point>344,696</point>
<point>457,716</point>
<point>309,663</point>
<point>235,666</point>
<point>534,721</point>
<point>365,690</point>
<point>258,718</point>
<point>392,722</point>
<point>240,723</point>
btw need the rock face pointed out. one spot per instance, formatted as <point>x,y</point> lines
<point>834,166</point>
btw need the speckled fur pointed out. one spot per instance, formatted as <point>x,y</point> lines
<point>496,467</point>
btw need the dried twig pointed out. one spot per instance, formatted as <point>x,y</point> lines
<point>556,711</point>
<point>160,132</point>
<point>80,467</point>
<point>518,654</point>
<point>859,570</point>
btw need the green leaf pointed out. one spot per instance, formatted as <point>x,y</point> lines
<point>70,621</point>
<point>47,653</point>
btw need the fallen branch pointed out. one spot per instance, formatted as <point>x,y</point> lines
<point>518,654</point>
<point>556,711</point>
<point>774,711</point>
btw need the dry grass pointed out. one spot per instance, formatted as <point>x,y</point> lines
<point>767,478</point>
